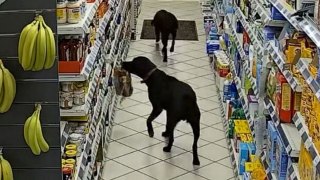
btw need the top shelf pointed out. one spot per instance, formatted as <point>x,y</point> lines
<point>306,24</point>
<point>83,25</point>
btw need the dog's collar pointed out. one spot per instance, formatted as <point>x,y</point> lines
<point>148,75</point>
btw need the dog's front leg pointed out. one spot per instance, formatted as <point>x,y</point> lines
<point>154,114</point>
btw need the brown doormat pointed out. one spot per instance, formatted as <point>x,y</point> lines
<point>187,31</point>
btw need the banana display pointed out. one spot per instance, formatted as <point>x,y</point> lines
<point>5,169</point>
<point>33,133</point>
<point>7,88</point>
<point>37,46</point>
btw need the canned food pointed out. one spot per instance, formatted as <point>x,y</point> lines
<point>67,86</point>
<point>79,97</point>
<point>66,100</point>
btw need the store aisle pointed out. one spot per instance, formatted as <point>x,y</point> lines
<point>132,154</point>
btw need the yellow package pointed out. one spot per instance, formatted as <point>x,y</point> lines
<point>248,166</point>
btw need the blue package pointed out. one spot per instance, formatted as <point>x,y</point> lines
<point>212,45</point>
<point>271,146</point>
<point>226,39</point>
<point>233,91</point>
<point>239,28</point>
<point>276,15</point>
<point>281,160</point>
<point>243,157</point>
<point>259,68</point>
<point>252,148</point>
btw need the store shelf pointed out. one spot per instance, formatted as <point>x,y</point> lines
<point>253,37</point>
<point>243,98</point>
<point>278,58</point>
<point>265,15</point>
<point>303,67</point>
<point>299,121</point>
<point>91,58</point>
<point>263,158</point>
<point>74,111</point>
<point>64,133</point>
<point>286,10</point>
<point>293,171</point>
<point>287,131</point>
<point>312,30</point>
<point>83,26</point>
<point>306,24</point>
<point>234,157</point>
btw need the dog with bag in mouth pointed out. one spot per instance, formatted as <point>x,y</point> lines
<point>168,93</point>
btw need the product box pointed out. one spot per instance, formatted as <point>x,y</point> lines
<point>243,157</point>
<point>296,102</point>
<point>271,146</point>
<point>253,105</point>
<point>71,66</point>
<point>246,42</point>
<point>275,14</point>
<point>281,160</point>
<point>283,99</point>
<point>212,45</point>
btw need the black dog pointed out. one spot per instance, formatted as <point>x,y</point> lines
<point>165,23</point>
<point>168,93</point>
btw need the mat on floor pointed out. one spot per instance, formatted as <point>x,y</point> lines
<point>187,31</point>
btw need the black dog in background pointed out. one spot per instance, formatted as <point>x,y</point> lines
<point>168,93</point>
<point>165,23</point>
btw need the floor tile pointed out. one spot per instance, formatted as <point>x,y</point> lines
<point>123,116</point>
<point>184,161</point>
<point>139,141</point>
<point>215,170</point>
<point>181,58</point>
<point>181,66</point>
<point>135,175</point>
<point>127,103</point>
<point>218,126</point>
<point>139,124</point>
<point>199,63</point>
<point>158,132</point>
<point>140,97</point>
<point>182,76</point>
<point>119,132</point>
<point>163,171</point>
<point>200,81</point>
<point>189,176</point>
<point>140,109</point>
<point>213,152</point>
<point>212,134</point>
<point>226,162</point>
<point>209,119</point>
<point>116,149</point>
<point>157,151</point>
<point>137,160</point>
<point>207,104</point>
<point>222,143</point>
<point>199,71</point>
<point>186,141</point>
<point>113,169</point>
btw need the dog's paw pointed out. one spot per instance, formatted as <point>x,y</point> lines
<point>151,133</point>
<point>165,134</point>
<point>196,162</point>
<point>166,149</point>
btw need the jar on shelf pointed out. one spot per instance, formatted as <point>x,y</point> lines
<point>71,147</point>
<point>77,48</point>
<point>67,86</point>
<point>66,100</point>
<point>79,97</point>
<point>66,173</point>
<point>70,161</point>
<point>74,11</point>
<point>61,11</point>
<point>71,154</point>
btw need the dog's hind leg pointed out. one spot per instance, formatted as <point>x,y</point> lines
<point>164,39</point>
<point>174,34</point>
<point>195,124</point>
<point>156,111</point>
<point>157,30</point>
<point>171,124</point>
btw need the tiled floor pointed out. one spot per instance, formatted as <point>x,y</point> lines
<point>132,153</point>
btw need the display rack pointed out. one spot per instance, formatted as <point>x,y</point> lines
<point>32,87</point>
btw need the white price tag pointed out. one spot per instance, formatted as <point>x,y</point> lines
<point>316,159</point>
<point>318,94</point>
<point>309,79</point>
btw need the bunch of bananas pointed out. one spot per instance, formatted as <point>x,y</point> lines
<point>7,88</point>
<point>37,47</point>
<point>33,133</point>
<point>5,169</point>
